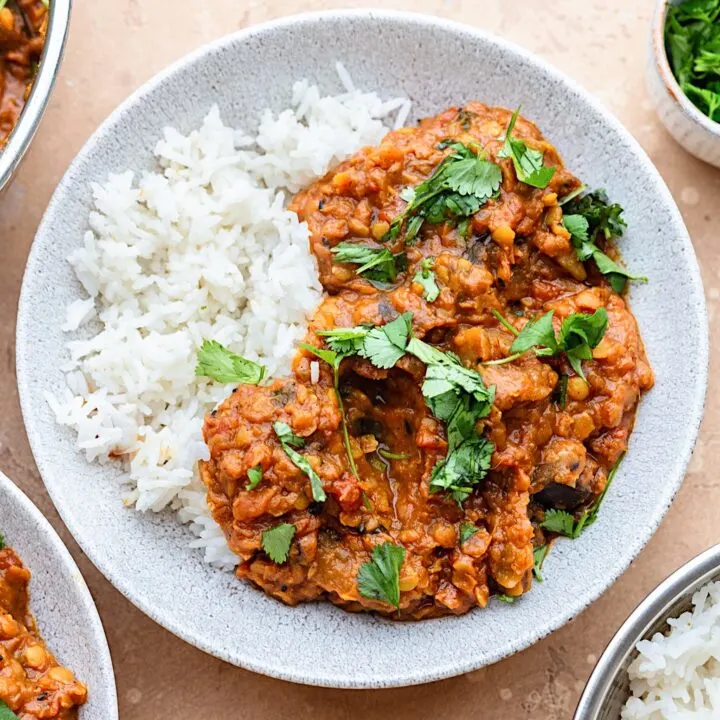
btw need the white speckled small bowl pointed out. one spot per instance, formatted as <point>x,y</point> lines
<point>694,130</point>
<point>436,63</point>
<point>60,600</point>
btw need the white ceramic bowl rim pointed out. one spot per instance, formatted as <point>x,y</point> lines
<point>333,676</point>
<point>670,81</point>
<point>78,603</point>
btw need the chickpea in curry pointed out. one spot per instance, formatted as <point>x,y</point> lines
<point>33,684</point>
<point>553,428</point>
<point>23,25</point>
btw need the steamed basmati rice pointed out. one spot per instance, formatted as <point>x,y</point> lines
<point>201,248</point>
<point>677,676</point>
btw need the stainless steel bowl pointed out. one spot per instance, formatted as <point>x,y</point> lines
<point>609,687</point>
<point>27,125</point>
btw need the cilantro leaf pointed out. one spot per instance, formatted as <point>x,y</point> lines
<point>559,521</point>
<point>287,436</point>
<point>287,440</point>
<point>217,362</point>
<point>595,217</point>
<point>463,469</point>
<point>385,345</point>
<point>537,333</point>
<point>379,579</point>
<point>347,341</point>
<point>377,264</point>
<point>425,276</point>
<point>579,334</point>
<point>460,185</point>
<point>2,542</point>
<point>6,713</point>
<point>276,542</point>
<point>528,162</point>
<point>255,476</point>
<point>505,598</point>
<point>332,358</point>
<point>467,530</point>
<point>539,555</point>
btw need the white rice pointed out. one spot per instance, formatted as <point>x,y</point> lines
<point>677,676</point>
<point>201,248</point>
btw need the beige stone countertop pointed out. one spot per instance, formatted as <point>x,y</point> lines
<point>115,46</point>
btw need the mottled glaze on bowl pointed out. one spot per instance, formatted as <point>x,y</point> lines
<point>60,600</point>
<point>694,130</point>
<point>436,63</point>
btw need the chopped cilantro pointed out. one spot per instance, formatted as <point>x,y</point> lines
<point>463,469</point>
<point>255,476</point>
<point>217,362</point>
<point>579,334</point>
<point>377,264</point>
<point>528,163</point>
<point>425,276</point>
<point>379,579</point>
<point>692,41</point>
<point>276,542</point>
<point>563,523</point>
<point>6,713</point>
<point>2,542</point>
<point>539,555</point>
<point>388,455</point>
<point>287,440</point>
<point>590,217</point>
<point>460,185</point>
<point>334,359</point>
<point>562,390</point>
<point>347,341</point>
<point>385,345</point>
<point>505,598</point>
<point>467,530</point>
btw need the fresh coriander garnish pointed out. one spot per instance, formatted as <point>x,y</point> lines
<point>563,523</point>
<point>562,390</point>
<point>217,362</point>
<point>692,40</point>
<point>454,393</point>
<point>590,217</point>
<point>255,476</point>
<point>579,334</point>
<point>463,469</point>
<point>2,542</point>
<point>276,542</point>
<point>528,162</point>
<point>287,440</point>
<point>379,579</point>
<point>539,555</point>
<point>505,598</point>
<point>334,359</point>
<point>467,530</point>
<point>6,713</point>
<point>461,184</point>
<point>425,276</point>
<point>377,264</point>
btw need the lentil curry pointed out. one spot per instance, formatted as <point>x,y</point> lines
<point>467,386</point>
<point>33,684</point>
<point>23,24</point>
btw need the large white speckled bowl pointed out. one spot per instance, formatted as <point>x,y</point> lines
<point>60,600</point>
<point>435,63</point>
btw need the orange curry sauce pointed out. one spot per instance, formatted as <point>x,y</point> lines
<point>32,682</point>
<point>518,260</point>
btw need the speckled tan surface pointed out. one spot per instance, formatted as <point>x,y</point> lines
<point>602,45</point>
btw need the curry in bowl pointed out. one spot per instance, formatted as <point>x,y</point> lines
<point>33,684</point>
<point>466,388</point>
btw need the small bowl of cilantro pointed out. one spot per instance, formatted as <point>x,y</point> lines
<point>684,74</point>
